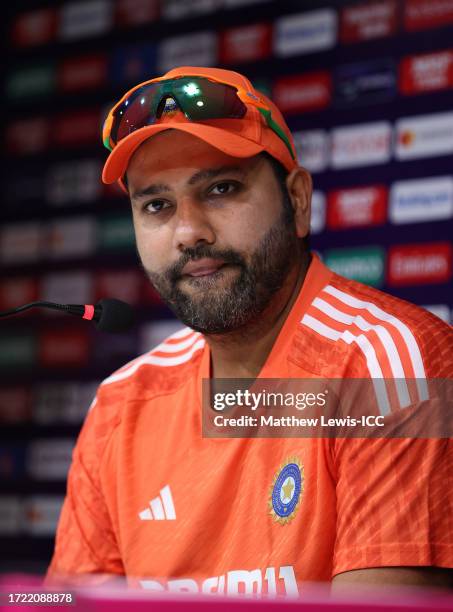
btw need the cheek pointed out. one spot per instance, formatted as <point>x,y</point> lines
<point>253,222</point>
<point>141,248</point>
<point>139,238</point>
<point>149,246</point>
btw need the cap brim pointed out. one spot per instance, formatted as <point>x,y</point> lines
<point>231,144</point>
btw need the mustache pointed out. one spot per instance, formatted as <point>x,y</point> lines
<point>229,256</point>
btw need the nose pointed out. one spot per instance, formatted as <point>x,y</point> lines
<point>192,224</point>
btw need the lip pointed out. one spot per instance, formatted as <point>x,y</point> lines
<point>202,267</point>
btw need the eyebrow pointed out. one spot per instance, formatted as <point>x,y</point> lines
<point>201,175</point>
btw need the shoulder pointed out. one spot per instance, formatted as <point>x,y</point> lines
<point>163,369</point>
<point>366,332</point>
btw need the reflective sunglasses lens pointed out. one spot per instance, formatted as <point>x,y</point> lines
<point>201,99</point>
<point>135,112</point>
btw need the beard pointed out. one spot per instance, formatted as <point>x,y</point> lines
<point>220,309</point>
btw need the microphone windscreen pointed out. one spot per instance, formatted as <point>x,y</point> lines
<point>116,315</point>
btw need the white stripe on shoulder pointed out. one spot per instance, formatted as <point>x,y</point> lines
<point>366,347</point>
<point>190,346</point>
<point>175,347</point>
<point>407,335</point>
<point>187,336</point>
<point>181,333</point>
<point>383,335</point>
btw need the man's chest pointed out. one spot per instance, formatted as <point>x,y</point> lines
<point>223,515</point>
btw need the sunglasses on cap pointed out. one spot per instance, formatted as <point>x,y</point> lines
<point>199,98</point>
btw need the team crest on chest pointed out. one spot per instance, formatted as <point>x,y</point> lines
<point>286,491</point>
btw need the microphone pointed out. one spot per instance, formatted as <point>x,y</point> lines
<point>109,314</point>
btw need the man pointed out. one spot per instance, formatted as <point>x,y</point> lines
<point>221,212</point>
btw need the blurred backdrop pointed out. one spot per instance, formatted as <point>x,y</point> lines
<point>366,87</point>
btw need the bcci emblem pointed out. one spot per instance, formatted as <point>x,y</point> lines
<point>286,490</point>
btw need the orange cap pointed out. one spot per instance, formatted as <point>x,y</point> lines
<point>243,137</point>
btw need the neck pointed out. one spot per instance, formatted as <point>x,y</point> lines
<point>243,352</point>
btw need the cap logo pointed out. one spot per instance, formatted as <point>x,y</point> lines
<point>250,95</point>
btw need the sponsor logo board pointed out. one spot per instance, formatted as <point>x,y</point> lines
<point>426,199</point>
<point>17,291</point>
<point>426,72</point>
<point>230,4</point>
<point>41,513</point>
<point>71,287</point>
<point>318,212</point>
<point>305,32</point>
<point>120,284</point>
<point>136,12</point>
<point>24,188</point>
<point>305,92</point>
<point>77,128</point>
<point>34,28</point>
<point>132,63</point>
<point>26,136</point>
<point>85,18</point>
<point>17,351</point>
<point>12,461</point>
<point>80,73</point>
<point>368,20</point>
<point>357,207</point>
<point>15,404</point>
<point>49,459</point>
<point>74,182</point>
<point>423,14</point>
<point>62,402</point>
<point>175,9</point>
<point>115,348</point>
<point>424,136</point>
<point>34,81</point>
<point>64,348</point>
<point>11,515</point>
<point>361,144</point>
<point>197,49</point>
<point>21,243</point>
<point>246,43</point>
<point>419,264</point>
<point>72,237</point>
<point>365,82</point>
<point>363,264</point>
<point>312,148</point>
<point>116,233</point>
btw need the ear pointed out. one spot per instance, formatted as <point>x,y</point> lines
<point>300,187</point>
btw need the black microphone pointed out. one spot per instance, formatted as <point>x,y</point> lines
<point>109,314</point>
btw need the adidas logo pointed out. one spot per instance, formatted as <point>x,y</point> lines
<point>161,508</point>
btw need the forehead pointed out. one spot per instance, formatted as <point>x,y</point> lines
<point>174,151</point>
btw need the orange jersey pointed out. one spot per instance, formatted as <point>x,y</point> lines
<point>148,497</point>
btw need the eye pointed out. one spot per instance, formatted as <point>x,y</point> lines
<point>155,207</point>
<point>224,188</point>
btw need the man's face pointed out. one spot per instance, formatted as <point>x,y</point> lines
<point>211,230</point>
